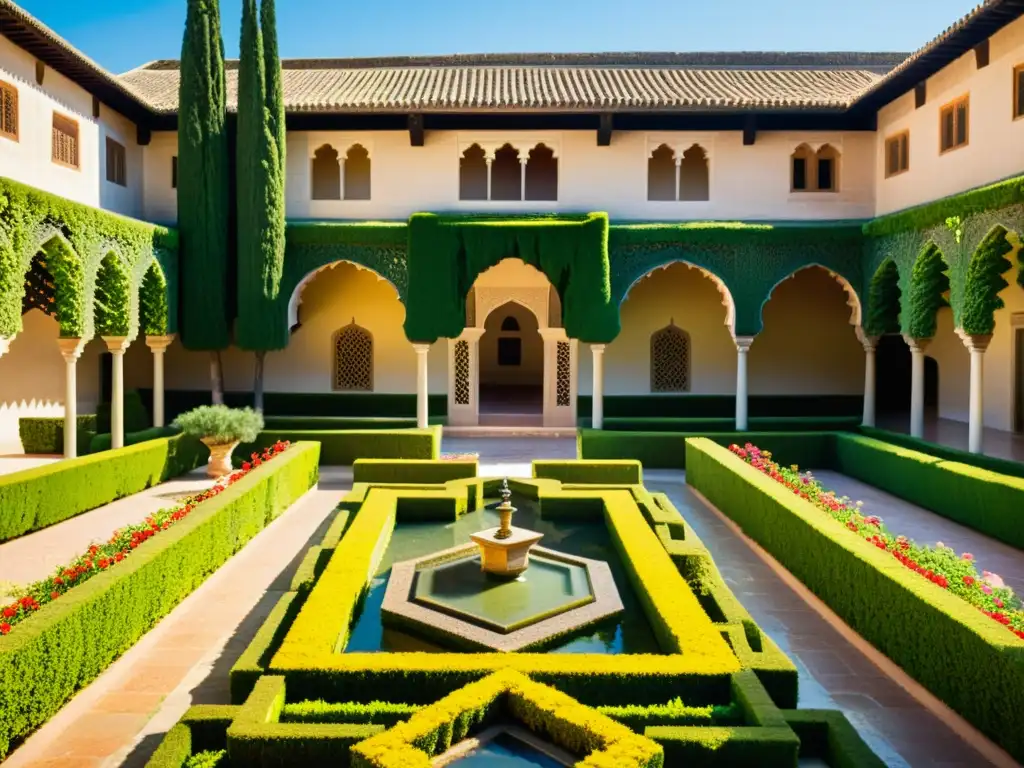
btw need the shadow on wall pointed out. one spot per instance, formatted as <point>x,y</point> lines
<point>893,377</point>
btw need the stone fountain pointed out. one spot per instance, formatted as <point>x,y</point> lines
<point>505,551</point>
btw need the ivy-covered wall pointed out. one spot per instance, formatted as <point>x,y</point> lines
<point>75,240</point>
<point>968,233</point>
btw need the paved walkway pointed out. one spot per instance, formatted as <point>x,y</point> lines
<point>996,442</point>
<point>925,527</point>
<point>35,555</point>
<point>122,716</point>
<point>833,673</point>
<point>511,456</point>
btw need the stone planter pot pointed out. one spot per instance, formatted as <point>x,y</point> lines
<point>220,458</point>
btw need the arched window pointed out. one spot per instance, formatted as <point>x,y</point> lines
<point>693,175</point>
<point>510,348</point>
<point>506,175</point>
<point>827,169</point>
<point>326,174</point>
<point>510,324</point>
<point>473,174</point>
<point>661,174</point>
<point>670,359</point>
<point>357,173</point>
<point>353,360</point>
<point>542,174</point>
<point>40,290</point>
<point>801,162</point>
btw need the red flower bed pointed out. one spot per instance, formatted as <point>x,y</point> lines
<point>101,557</point>
<point>939,564</point>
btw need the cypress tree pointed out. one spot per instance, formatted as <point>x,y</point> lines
<point>203,191</point>
<point>260,175</point>
<point>928,283</point>
<point>984,283</point>
<point>883,315</point>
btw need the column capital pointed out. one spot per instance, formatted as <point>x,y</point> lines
<point>743,343</point>
<point>974,342</point>
<point>916,345</point>
<point>116,345</point>
<point>159,343</point>
<point>553,334</point>
<point>71,347</point>
<point>471,334</point>
<point>421,349</point>
<point>868,342</point>
<point>598,349</point>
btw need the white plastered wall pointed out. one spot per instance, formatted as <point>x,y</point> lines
<point>28,160</point>
<point>807,346</point>
<point>32,378</point>
<point>995,149</point>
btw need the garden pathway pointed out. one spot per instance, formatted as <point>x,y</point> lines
<point>1005,445</point>
<point>17,462</point>
<point>122,716</point>
<point>35,555</point>
<point>833,673</point>
<point>925,527</point>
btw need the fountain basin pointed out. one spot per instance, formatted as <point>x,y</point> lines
<point>447,598</point>
<point>507,557</point>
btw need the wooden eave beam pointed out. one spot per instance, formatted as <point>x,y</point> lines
<point>416,130</point>
<point>604,130</point>
<point>749,131</point>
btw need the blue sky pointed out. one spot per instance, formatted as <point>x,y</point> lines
<point>122,34</point>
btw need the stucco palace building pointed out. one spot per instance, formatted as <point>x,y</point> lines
<point>744,235</point>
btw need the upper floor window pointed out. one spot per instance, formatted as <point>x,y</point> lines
<point>954,121</point>
<point>508,173</point>
<point>812,171</point>
<point>8,111</point>
<point>1018,91</point>
<point>337,178</point>
<point>683,177</point>
<point>897,154</point>
<point>65,141</point>
<point>117,168</point>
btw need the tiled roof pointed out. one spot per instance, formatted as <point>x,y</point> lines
<point>550,83</point>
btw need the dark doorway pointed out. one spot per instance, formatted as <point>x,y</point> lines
<point>893,377</point>
<point>511,369</point>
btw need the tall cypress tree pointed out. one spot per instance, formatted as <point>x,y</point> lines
<point>203,190</point>
<point>260,174</point>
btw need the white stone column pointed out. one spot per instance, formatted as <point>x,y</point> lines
<point>71,350</point>
<point>117,345</point>
<point>597,420</point>
<point>523,160</point>
<point>870,343</point>
<point>976,345</point>
<point>917,348</point>
<point>158,345</point>
<point>422,385</point>
<point>675,191</point>
<point>489,158</point>
<point>742,347</point>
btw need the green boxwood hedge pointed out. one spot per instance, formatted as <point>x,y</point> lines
<point>412,470</point>
<point>728,424</point>
<point>993,463</point>
<point>45,434</point>
<point>72,640</point>
<point>969,661</point>
<point>42,496</point>
<point>609,472</point>
<point>102,442</point>
<point>345,447</point>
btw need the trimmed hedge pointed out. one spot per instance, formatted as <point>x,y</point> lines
<point>756,424</point>
<point>45,434</point>
<point>827,735</point>
<point>412,470</point>
<point>36,498</point>
<point>615,472</point>
<point>667,450</point>
<point>136,415</point>
<point>947,645</point>
<point>102,442</point>
<point>345,447</point>
<point>686,406</point>
<point>980,460</point>
<point>990,503</point>
<point>338,422</point>
<point>72,640</point>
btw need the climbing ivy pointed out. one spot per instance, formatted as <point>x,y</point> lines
<point>447,253</point>
<point>113,298</point>
<point>153,313</point>
<point>883,310</point>
<point>928,284</point>
<point>73,238</point>
<point>984,282</point>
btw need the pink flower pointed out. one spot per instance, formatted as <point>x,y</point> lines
<point>986,589</point>
<point>993,579</point>
<point>967,556</point>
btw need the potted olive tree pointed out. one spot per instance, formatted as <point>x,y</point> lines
<point>220,429</point>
